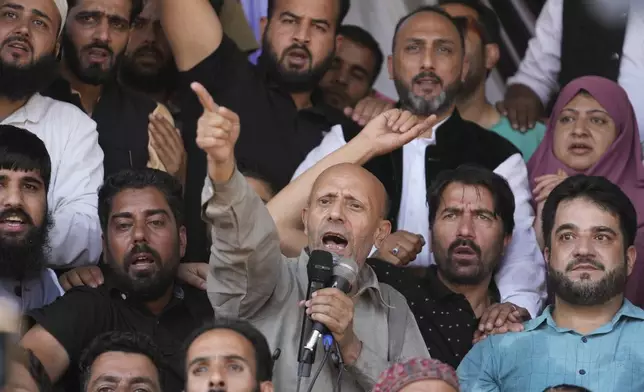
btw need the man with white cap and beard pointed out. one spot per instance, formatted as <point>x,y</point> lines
<point>29,45</point>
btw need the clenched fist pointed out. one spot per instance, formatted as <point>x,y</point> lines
<point>217,133</point>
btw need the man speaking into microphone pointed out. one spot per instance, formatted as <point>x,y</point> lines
<point>249,278</point>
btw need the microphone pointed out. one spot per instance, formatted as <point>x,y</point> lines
<point>320,272</point>
<point>345,273</point>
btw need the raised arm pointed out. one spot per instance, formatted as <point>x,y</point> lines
<point>193,30</point>
<point>245,260</point>
<point>385,133</point>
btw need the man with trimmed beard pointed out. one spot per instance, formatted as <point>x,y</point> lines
<point>284,113</point>
<point>25,176</point>
<point>144,239</point>
<point>134,131</point>
<point>29,32</point>
<point>428,66</point>
<point>592,335</point>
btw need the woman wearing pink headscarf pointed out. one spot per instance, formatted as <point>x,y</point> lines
<point>593,131</point>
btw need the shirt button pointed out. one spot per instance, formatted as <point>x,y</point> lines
<point>584,339</point>
<point>582,372</point>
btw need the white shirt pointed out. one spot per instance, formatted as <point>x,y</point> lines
<point>71,139</point>
<point>521,277</point>
<point>540,67</point>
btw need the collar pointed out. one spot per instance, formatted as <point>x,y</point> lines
<point>115,291</point>
<point>318,107</point>
<point>33,111</point>
<point>439,291</point>
<point>628,310</point>
<point>367,280</point>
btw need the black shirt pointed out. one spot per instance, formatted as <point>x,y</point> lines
<point>121,117</point>
<point>445,319</point>
<point>83,313</point>
<point>275,136</point>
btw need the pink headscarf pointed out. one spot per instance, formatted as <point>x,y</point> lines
<point>621,163</point>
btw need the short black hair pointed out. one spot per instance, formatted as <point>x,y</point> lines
<point>471,175</point>
<point>566,387</point>
<point>116,341</point>
<point>488,19</point>
<point>263,356</point>
<point>344,10</point>
<point>460,27</point>
<point>169,186</point>
<point>364,38</point>
<point>21,150</point>
<point>137,7</point>
<point>598,190</point>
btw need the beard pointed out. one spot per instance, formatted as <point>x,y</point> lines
<point>146,286</point>
<point>422,106</point>
<point>94,74</point>
<point>25,258</point>
<point>476,76</point>
<point>586,292</point>
<point>294,81</point>
<point>149,82</point>
<point>18,82</point>
<point>448,266</point>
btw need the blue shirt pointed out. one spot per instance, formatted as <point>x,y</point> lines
<point>609,359</point>
<point>526,142</point>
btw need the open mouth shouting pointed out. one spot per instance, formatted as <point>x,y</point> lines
<point>15,221</point>
<point>334,242</point>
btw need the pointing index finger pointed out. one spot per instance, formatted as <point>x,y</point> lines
<point>204,97</point>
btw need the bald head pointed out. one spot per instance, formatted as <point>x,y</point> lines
<point>346,212</point>
<point>363,179</point>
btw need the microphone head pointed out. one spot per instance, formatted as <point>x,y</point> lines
<point>347,269</point>
<point>320,266</point>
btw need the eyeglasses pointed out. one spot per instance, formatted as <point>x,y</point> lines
<point>469,23</point>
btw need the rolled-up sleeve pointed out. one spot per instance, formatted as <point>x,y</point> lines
<point>245,259</point>
<point>541,64</point>
<point>521,279</point>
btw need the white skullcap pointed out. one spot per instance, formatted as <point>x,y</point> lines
<point>62,9</point>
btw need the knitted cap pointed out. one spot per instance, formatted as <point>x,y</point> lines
<point>402,374</point>
<point>62,9</point>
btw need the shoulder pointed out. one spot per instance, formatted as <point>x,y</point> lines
<point>60,110</point>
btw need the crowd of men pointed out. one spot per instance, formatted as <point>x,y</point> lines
<point>166,205</point>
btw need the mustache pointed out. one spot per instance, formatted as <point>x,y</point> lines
<point>148,48</point>
<point>15,211</point>
<point>98,45</point>
<point>298,47</point>
<point>141,248</point>
<point>427,74</point>
<point>584,260</point>
<point>18,38</point>
<point>464,242</point>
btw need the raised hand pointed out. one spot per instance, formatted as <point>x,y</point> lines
<point>217,133</point>
<point>393,129</point>
<point>166,141</point>
<point>546,183</point>
<point>400,248</point>
<point>521,106</point>
<point>367,109</point>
